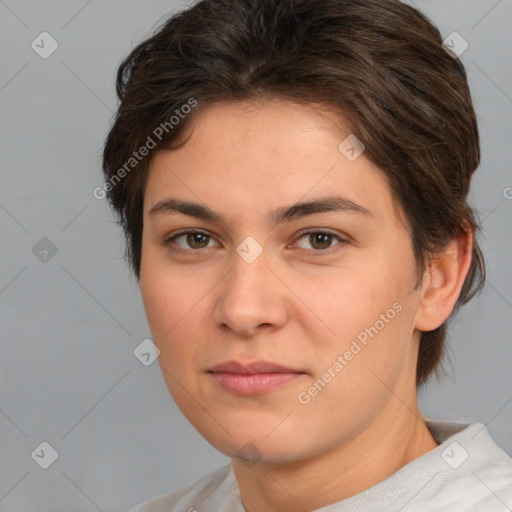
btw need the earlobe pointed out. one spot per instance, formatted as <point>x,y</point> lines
<point>443,282</point>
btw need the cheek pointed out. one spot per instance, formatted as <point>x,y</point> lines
<point>157,299</point>
<point>369,313</point>
<point>169,305</point>
<point>160,299</point>
<point>167,294</point>
<point>353,301</point>
<point>174,304</point>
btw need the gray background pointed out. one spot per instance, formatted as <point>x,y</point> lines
<point>69,325</point>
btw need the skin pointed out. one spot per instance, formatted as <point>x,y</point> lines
<point>296,304</point>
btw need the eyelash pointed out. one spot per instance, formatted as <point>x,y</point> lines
<point>319,252</point>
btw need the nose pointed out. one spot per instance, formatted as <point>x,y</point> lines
<point>250,298</point>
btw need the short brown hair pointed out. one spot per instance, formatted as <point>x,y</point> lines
<point>378,64</point>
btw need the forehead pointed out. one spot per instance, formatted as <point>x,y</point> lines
<point>241,157</point>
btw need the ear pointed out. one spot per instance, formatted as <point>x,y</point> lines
<point>443,282</point>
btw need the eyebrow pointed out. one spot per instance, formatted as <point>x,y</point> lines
<point>277,216</point>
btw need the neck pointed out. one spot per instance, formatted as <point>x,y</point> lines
<point>397,436</point>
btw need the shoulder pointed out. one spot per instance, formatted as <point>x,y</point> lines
<point>189,498</point>
<point>475,470</point>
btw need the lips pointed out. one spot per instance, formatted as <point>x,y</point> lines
<point>253,378</point>
<point>252,368</point>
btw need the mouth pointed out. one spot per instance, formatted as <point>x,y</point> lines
<point>254,378</point>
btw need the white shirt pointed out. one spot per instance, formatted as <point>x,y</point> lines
<point>467,472</point>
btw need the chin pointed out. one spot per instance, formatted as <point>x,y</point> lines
<point>251,444</point>
<point>259,451</point>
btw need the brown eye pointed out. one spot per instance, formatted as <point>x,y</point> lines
<point>194,240</point>
<point>321,241</point>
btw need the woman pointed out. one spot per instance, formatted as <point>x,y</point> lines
<point>292,180</point>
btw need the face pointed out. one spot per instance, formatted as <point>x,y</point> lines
<point>315,304</point>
